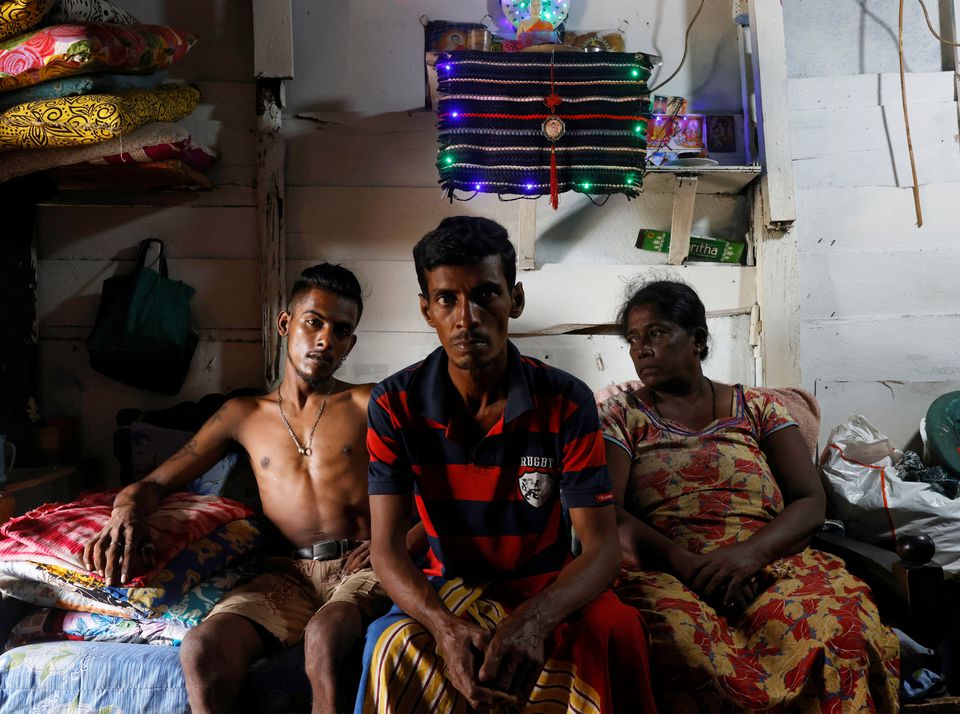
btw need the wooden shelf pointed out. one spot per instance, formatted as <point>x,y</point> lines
<point>20,479</point>
<point>711,179</point>
<point>27,478</point>
<point>685,183</point>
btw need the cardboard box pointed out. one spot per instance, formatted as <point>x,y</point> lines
<point>714,250</point>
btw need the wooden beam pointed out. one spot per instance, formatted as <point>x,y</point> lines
<point>682,219</point>
<point>527,236</point>
<point>770,81</point>
<point>741,18</point>
<point>560,296</point>
<point>19,357</point>
<point>273,44</point>
<point>271,153</point>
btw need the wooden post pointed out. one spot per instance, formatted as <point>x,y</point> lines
<point>747,95</point>
<point>779,300</point>
<point>527,235</point>
<point>682,219</point>
<point>756,341</point>
<point>273,39</point>
<point>271,154</point>
<point>770,82</point>
<point>273,63</point>
<point>950,22</point>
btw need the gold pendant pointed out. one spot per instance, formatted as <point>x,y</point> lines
<point>553,128</point>
<point>305,450</point>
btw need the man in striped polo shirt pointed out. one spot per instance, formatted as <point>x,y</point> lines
<point>497,451</point>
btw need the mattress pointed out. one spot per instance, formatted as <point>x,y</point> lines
<point>124,678</point>
<point>92,677</point>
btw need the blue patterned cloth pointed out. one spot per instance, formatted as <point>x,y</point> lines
<point>84,84</point>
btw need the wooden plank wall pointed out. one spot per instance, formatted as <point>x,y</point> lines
<point>361,191</point>
<point>211,241</point>
<point>366,55</point>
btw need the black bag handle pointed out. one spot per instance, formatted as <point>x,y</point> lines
<point>142,256</point>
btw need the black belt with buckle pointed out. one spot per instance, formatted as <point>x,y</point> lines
<point>327,549</point>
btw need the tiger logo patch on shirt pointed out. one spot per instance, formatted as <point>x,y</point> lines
<point>537,487</point>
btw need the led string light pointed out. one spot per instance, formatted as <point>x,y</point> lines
<point>462,115</point>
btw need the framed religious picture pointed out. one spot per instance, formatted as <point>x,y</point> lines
<point>724,138</point>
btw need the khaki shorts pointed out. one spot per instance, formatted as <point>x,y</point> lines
<point>289,592</point>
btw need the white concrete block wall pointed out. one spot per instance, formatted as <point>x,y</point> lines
<point>879,308</point>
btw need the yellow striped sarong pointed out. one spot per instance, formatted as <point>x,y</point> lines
<point>405,675</point>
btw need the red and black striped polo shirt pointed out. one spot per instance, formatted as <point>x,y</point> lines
<point>493,508</point>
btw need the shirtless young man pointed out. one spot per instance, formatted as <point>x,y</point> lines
<point>306,444</point>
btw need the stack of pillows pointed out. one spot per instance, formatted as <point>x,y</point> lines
<point>203,545</point>
<point>81,81</point>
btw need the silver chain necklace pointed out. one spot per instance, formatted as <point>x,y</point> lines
<point>305,450</point>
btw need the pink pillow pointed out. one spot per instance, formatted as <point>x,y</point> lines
<point>64,50</point>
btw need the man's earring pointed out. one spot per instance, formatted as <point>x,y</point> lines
<point>343,359</point>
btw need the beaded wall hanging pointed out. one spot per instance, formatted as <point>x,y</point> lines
<point>535,124</point>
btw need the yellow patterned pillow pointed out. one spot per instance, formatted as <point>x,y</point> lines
<point>92,118</point>
<point>18,16</point>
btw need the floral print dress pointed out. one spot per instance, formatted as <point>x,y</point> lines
<point>812,640</point>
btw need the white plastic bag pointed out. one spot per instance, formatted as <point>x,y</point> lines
<point>865,491</point>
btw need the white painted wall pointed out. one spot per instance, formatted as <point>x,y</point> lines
<point>879,307</point>
<point>366,55</point>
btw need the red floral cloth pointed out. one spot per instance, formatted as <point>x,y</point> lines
<point>192,153</point>
<point>64,50</point>
<point>56,533</point>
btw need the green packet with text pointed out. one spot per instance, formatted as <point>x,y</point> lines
<point>715,250</point>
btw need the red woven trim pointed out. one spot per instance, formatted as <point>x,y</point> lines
<point>541,117</point>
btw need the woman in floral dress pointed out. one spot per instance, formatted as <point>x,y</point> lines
<point>718,499</point>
